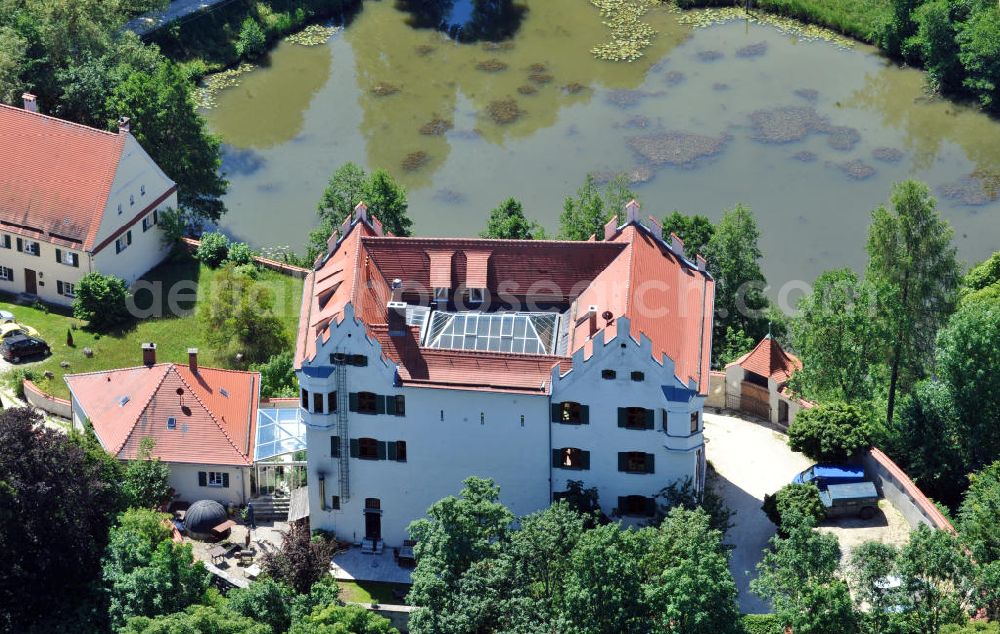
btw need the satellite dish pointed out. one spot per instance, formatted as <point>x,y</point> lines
<point>180,391</point>
<point>607,315</point>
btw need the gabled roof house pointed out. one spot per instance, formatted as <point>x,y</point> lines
<point>202,420</point>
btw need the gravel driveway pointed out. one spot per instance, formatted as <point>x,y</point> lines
<point>750,460</point>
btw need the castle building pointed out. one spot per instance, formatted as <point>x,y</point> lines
<point>423,361</point>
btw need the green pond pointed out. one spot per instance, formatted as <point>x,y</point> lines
<point>811,135</point>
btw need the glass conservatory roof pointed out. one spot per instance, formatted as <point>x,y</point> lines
<point>280,431</point>
<point>520,333</point>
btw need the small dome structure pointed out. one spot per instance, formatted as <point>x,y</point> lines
<point>202,517</point>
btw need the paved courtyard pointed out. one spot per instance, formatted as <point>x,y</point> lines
<point>353,565</point>
<point>750,460</point>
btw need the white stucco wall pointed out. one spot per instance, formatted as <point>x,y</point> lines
<point>452,434</point>
<point>184,480</point>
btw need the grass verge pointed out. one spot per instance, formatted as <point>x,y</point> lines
<point>369,591</point>
<point>168,294</point>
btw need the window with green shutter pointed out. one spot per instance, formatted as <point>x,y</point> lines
<point>355,448</point>
<point>331,402</point>
<point>635,462</point>
<point>570,458</point>
<point>202,478</point>
<point>335,503</point>
<point>570,413</point>
<point>381,450</point>
<point>390,450</point>
<point>334,446</point>
<point>636,418</point>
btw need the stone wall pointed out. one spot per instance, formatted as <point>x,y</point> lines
<point>287,269</point>
<point>716,390</point>
<point>897,487</point>
<point>46,402</point>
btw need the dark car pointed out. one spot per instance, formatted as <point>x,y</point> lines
<point>18,347</point>
<point>848,500</point>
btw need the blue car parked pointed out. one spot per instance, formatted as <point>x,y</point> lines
<point>823,475</point>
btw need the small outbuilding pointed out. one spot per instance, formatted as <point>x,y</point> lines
<point>202,517</point>
<point>756,383</point>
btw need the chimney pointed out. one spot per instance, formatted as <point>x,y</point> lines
<point>193,360</point>
<point>361,212</point>
<point>124,125</point>
<point>397,290</point>
<point>702,263</point>
<point>30,102</point>
<point>149,354</point>
<point>676,244</point>
<point>632,212</point>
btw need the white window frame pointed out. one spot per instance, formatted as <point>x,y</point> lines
<point>74,259</point>
<point>123,242</point>
<point>148,222</point>
<point>214,479</point>
<point>35,250</point>
<point>69,289</point>
<point>6,273</point>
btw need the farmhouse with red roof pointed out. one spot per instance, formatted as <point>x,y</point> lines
<point>203,421</point>
<point>423,361</point>
<point>74,200</point>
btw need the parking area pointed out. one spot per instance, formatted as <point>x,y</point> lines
<point>753,459</point>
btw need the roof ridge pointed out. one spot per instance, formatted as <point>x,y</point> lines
<point>109,179</point>
<point>467,240</point>
<point>66,121</point>
<point>211,415</point>
<point>142,411</point>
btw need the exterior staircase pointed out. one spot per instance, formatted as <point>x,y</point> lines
<point>271,508</point>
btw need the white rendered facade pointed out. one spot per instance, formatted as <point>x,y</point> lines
<point>509,436</point>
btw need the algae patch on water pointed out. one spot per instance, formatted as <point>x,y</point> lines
<point>629,34</point>
<point>574,88</point>
<point>710,56</point>
<point>436,127</point>
<point>981,187</point>
<point>842,137</point>
<point>702,18</point>
<point>313,35</point>
<point>857,169</point>
<point>491,66</point>
<point>384,89</point>
<point>527,89</point>
<point>752,50</point>
<point>212,85</point>
<point>504,111</point>
<point>416,160</point>
<point>680,149</point>
<point>887,154</point>
<point>785,124</point>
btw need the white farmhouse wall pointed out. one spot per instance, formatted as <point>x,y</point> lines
<point>137,173</point>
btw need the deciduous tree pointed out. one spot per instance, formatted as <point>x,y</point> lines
<point>146,481</point>
<point>200,619</point>
<point>507,222</point>
<point>101,301</point>
<point>968,362</point>
<point>979,514</point>
<point>912,256</point>
<point>300,562</point>
<point>734,261</point>
<point>839,336</point>
<point>830,432</point>
<point>696,231</point>
<point>265,601</point>
<point>239,318</point>
<point>586,214</point>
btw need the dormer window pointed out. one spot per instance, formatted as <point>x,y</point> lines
<point>142,190</point>
<point>477,295</point>
<point>131,199</point>
<point>119,208</point>
<point>441,294</point>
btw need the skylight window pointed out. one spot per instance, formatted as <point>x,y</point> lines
<point>223,391</point>
<point>171,423</point>
<point>520,333</point>
<point>123,401</point>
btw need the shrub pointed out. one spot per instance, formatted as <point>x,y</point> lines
<point>240,253</point>
<point>173,224</point>
<point>277,376</point>
<point>834,432</point>
<point>101,300</point>
<point>762,624</point>
<point>14,380</point>
<point>213,250</point>
<point>252,41</point>
<point>793,505</point>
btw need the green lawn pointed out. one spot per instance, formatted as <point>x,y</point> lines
<point>176,279</point>
<point>368,591</point>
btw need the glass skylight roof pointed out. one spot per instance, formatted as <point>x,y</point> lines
<point>280,431</point>
<point>530,333</point>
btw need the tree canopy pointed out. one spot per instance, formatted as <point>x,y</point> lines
<point>508,222</point>
<point>695,230</point>
<point>830,432</point>
<point>912,257</point>
<point>585,215</point>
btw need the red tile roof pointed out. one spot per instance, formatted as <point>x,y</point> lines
<point>633,274</point>
<point>213,427</point>
<point>770,360</point>
<point>55,176</point>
